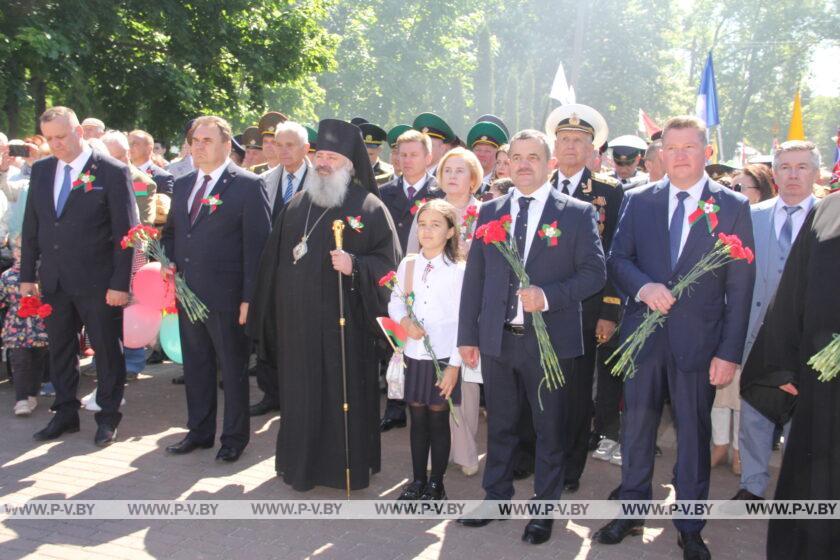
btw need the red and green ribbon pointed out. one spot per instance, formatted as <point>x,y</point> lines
<point>550,233</point>
<point>706,209</point>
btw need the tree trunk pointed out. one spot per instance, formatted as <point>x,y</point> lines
<point>38,89</point>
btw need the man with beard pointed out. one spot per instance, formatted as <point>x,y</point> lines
<point>296,314</point>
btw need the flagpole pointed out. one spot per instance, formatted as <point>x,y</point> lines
<point>338,233</point>
<point>720,144</point>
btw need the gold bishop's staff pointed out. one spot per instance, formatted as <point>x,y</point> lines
<point>338,232</point>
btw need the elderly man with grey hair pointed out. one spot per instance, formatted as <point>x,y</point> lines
<point>291,143</point>
<point>776,223</point>
<point>93,128</point>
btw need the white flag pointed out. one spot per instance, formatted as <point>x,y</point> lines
<point>560,89</point>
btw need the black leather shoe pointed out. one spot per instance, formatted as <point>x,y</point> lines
<point>187,445</point>
<point>434,491</point>
<point>572,486</point>
<point>390,423</point>
<point>228,454</point>
<point>594,439</point>
<point>693,546</point>
<point>105,436</point>
<point>614,494</point>
<point>413,491</point>
<point>178,380</point>
<point>746,495</point>
<point>474,521</point>
<point>657,451</point>
<point>615,531</point>
<point>59,424</point>
<point>537,531</point>
<point>263,407</point>
<point>521,474</point>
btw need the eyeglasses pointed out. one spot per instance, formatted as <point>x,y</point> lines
<point>740,187</point>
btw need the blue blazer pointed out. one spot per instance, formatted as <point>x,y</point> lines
<point>163,179</point>
<point>709,321</point>
<point>80,250</point>
<point>568,273</point>
<point>220,253</point>
<point>393,196</point>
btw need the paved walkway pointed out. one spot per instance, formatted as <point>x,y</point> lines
<point>137,468</point>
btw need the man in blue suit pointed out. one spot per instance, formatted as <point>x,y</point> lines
<point>495,319</point>
<point>80,205</point>
<point>140,148</point>
<point>215,233</point>
<point>776,223</point>
<point>701,343</point>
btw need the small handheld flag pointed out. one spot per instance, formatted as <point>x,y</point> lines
<point>394,332</point>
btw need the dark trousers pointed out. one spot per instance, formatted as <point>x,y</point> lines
<point>691,400</point>
<point>268,382</point>
<point>217,343</point>
<point>104,326</point>
<point>579,412</point>
<point>28,368</point>
<point>608,394</point>
<point>509,380</point>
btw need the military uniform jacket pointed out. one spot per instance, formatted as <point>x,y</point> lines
<point>606,195</point>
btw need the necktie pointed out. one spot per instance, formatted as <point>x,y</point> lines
<point>675,231</point>
<point>566,184</point>
<point>287,194</point>
<point>786,235</point>
<point>411,192</point>
<point>520,232</point>
<point>196,203</point>
<point>64,193</point>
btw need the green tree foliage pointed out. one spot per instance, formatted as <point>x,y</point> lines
<point>154,65</point>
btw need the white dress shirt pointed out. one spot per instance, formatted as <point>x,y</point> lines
<point>535,210</point>
<point>574,181</point>
<point>437,297</point>
<point>690,204</point>
<point>797,219</point>
<point>76,169</point>
<point>199,179</point>
<point>281,188</point>
<point>417,186</point>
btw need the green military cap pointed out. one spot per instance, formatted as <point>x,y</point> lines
<point>269,121</point>
<point>252,138</point>
<point>358,121</point>
<point>486,133</point>
<point>395,133</point>
<point>313,137</point>
<point>373,135</point>
<point>434,126</point>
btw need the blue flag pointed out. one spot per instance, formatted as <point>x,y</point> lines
<point>707,101</point>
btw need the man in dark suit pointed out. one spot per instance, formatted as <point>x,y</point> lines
<point>402,196</point>
<point>291,144</point>
<point>497,324</point>
<point>140,147</point>
<point>701,343</point>
<point>80,205</point>
<point>214,235</point>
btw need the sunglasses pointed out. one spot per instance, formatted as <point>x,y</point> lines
<point>740,187</point>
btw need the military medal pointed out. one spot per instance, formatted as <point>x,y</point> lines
<point>300,250</point>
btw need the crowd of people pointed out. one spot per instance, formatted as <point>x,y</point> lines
<point>297,240</point>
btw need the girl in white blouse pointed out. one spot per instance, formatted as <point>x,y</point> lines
<point>436,275</point>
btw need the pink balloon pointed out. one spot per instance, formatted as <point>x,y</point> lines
<point>149,288</point>
<point>141,324</point>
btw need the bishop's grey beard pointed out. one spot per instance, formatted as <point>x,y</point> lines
<point>328,191</point>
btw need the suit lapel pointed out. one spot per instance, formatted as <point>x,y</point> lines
<point>90,165</point>
<point>698,234</point>
<point>659,211</point>
<point>553,210</point>
<point>49,185</point>
<point>219,188</point>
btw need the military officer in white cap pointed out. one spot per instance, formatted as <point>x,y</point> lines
<point>627,152</point>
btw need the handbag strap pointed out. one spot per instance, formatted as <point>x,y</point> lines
<point>409,272</point>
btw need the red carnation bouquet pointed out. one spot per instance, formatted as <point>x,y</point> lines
<point>32,306</point>
<point>147,239</point>
<point>469,219</point>
<point>496,233</point>
<point>727,249</point>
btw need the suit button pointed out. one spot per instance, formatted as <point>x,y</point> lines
<point>187,259</point>
<point>758,304</point>
<point>400,224</point>
<point>55,247</point>
<point>189,236</point>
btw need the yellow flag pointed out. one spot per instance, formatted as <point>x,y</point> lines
<point>796,131</point>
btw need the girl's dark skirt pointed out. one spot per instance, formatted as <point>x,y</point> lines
<point>420,379</point>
